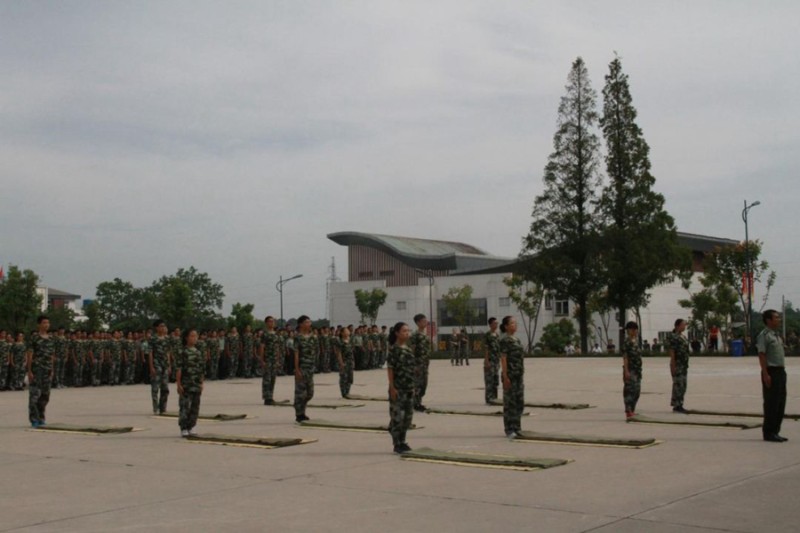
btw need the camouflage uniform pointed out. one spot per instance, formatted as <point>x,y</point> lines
<point>213,358</point>
<point>78,356</point>
<point>405,366</point>
<point>269,342</point>
<point>18,360</point>
<point>160,348</point>
<point>175,347</point>
<point>60,346</point>
<point>4,366</point>
<point>234,348</point>
<point>514,397</point>
<point>633,387</point>
<point>346,368</point>
<point>131,358</point>
<point>308,348</point>
<point>325,353</point>
<point>420,344</point>
<point>98,349</point>
<point>191,364</point>
<point>463,349</point>
<point>491,372</point>
<point>258,343</point>
<point>115,361</point>
<point>247,355</point>
<point>678,344</point>
<point>42,354</point>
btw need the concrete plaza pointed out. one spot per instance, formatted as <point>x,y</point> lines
<point>698,479</point>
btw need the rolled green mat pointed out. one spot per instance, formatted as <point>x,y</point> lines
<point>322,405</point>
<point>427,454</point>
<point>221,417</point>
<point>86,429</point>
<point>368,398</point>
<point>250,441</point>
<point>470,413</point>
<point>377,428</point>
<point>735,414</point>
<point>584,439</point>
<point>568,406</point>
<point>686,422</point>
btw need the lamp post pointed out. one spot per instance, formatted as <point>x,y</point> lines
<point>279,288</point>
<point>749,269</point>
<point>429,274</point>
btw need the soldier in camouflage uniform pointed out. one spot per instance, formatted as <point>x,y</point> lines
<point>176,346</point>
<point>18,362</point>
<point>96,351</point>
<point>306,349</point>
<point>631,369</point>
<point>160,363</point>
<point>452,347</point>
<point>258,346</point>
<point>60,343</point>
<point>678,348</point>
<point>512,361</point>
<point>491,362</point>
<point>358,349</point>
<point>463,347</point>
<point>247,352</point>
<point>269,354</point>
<point>346,361</point>
<point>402,368</point>
<point>384,346</point>
<point>115,358</point>
<point>40,366</point>
<point>144,351</point>
<point>131,354</point>
<point>420,344</point>
<point>5,364</point>
<point>190,364</point>
<point>78,355</point>
<point>213,356</point>
<point>233,350</point>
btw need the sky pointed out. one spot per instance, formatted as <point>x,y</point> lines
<point>137,138</point>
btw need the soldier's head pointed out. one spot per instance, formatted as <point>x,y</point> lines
<point>189,337</point>
<point>771,318</point>
<point>20,337</point>
<point>493,324</point>
<point>632,330</point>
<point>270,322</point>
<point>43,323</point>
<point>234,331</point>
<point>421,321</point>
<point>399,333</point>
<point>508,325</point>
<point>160,326</point>
<point>247,328</point>
<point>117,334</point>
<point>344,333</point>
<point>680,325</point>
<point>304,324</point>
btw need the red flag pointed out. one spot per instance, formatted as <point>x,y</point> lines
<point>1,273</point>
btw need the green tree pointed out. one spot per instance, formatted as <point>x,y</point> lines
<point>204,296</point>
<point>94,320</point>
<point>241,316</point>
<point>557,335</point>
<point>124,306</point>
<point>715,304</point>
<point>457,303</point>
<point>528,299</point>
<point>369,303</point>
<point>561,250</point>
<point>640,243</point>
<point>20,304</point>
<point>174,303</point>
<point>62,317</point>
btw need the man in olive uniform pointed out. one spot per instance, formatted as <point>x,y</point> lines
<point>678,348</point>
<point>491,362</point>
<point>160,362</point>
<point>463,347</point>
<point>771,357</point>
<point>40,366</point>
<point>269,355</point>
<point>306,349</point>
<point>420,344</point>
<point>60,346</point>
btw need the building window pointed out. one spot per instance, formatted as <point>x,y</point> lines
<point>548,302</point>
<point>562,307</point>
<point>365,275</point>
<point>386,273</point>
<point>474,315</point>
<point>401,306</point>
<point>504,302</point>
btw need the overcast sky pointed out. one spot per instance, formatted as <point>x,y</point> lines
<point>140,137</point>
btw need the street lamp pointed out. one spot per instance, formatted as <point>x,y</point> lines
<point>749,268</point>
<point>279,288</point>
<point>428,274</point>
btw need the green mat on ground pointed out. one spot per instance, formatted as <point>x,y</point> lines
<point>368,398</point>
<point>218,417</point>
<point>736,414</point>
<point>237,440</point>
<point>347,426</point>
<point>569,406</point>
<point>481,460</point>
<point>585,440</point>
<point>684,421</point>
<point>287,403</point>
<point>99,430</point>
<point>435,411</point>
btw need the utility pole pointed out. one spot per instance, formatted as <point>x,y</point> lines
<point>279,288</point>
<point>749,273</point>
<point>331,278</point>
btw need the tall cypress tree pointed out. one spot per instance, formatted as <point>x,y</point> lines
<point>561,249</point>
<point>640,243</point>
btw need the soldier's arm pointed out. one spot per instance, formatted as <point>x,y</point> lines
<point>297,372</point>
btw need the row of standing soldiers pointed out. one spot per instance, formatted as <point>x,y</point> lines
<point>102,358</point>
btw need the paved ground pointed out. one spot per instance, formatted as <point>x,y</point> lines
<point>698,479</point>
